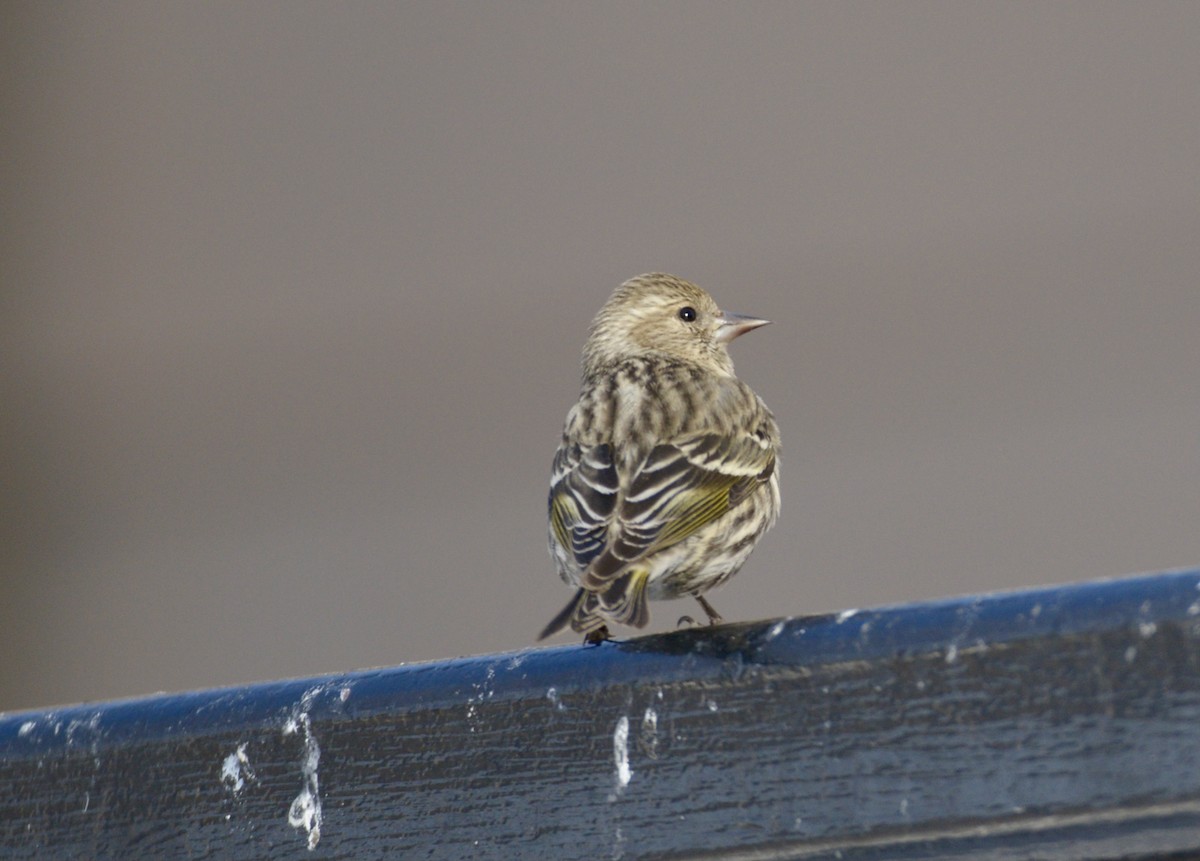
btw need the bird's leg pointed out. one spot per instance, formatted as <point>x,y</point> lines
<point>596,637</point>
<point>714,618</point>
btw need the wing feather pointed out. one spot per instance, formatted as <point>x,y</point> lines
<point>583,494</point>
<point>679,488</point>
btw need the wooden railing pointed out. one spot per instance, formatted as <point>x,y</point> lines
<point>1052,723</point>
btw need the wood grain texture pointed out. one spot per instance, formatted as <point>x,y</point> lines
<point>1060,723</point>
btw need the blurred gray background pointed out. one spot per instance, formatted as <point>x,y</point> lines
<point>293,297</point>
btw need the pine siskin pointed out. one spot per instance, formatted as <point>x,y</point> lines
<point>665,478</point>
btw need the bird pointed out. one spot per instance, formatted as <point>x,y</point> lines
<point>666,475</point>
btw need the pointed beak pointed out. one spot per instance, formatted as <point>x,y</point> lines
<point>729,326</point>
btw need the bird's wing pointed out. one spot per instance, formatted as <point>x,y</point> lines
<point>679,488</point>
<point>583,495</point>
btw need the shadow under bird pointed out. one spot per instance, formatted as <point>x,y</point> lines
<point>666,476</point>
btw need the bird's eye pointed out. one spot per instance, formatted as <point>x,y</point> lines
<point>687,314</point>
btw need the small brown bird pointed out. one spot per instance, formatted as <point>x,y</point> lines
<point>665,478</point>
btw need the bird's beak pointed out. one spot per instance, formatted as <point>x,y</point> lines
<point>729,326</point>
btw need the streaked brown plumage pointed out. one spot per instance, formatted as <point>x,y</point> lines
<point>666,476</point>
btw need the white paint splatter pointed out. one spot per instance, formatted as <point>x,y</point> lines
<point>552,695</point>
<point>305,810</point>
<point>26,728</point>
<point>1147,629</point>
<point>951,653</point>
<point>1035,611</point>
<point>233,766</point>
<point>1131,654</point>
<point>621,755</point>
<point>482,691</point>
<point>846,614</point>
<point>776,629</point>
<point>1193,608</point>
<point>79,726</point>
<point>344,693</point>
<point>711,705</point>
<point>648,739</point>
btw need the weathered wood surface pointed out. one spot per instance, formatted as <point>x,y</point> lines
<point>1056,723</point>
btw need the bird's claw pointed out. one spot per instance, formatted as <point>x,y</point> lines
<point>596,637</point>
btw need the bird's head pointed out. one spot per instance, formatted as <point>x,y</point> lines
<point>659,315</point>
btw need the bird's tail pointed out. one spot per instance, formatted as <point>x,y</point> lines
<point>624,601</point>
<point>580,613</point>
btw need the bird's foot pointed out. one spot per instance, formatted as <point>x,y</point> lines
<point>714,618</point>
<point>596,637</point>
<point>685,620</point>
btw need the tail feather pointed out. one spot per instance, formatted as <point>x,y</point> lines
<point>581,614</point>
<point>560,621</point>
<point>624,600</point>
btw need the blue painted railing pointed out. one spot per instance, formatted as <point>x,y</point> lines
<point>1062,721</point>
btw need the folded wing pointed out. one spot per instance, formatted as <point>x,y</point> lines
<point>679,488</point>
